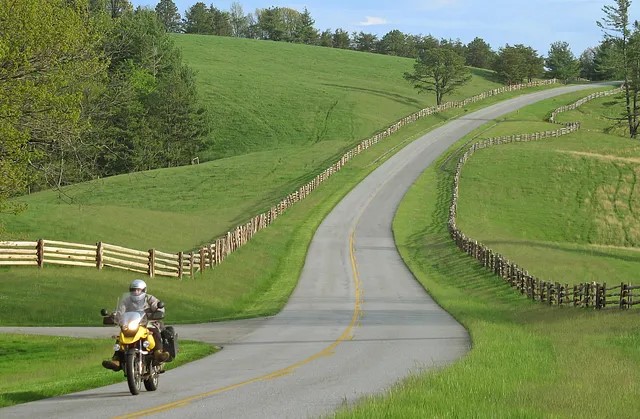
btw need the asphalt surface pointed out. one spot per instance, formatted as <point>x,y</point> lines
<point>357,323</point>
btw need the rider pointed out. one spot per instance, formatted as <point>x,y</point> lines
<point>138,294</point>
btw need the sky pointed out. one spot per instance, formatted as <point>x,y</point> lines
<point>533,23</point>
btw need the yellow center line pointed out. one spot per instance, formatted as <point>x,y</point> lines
<point>347,334</point>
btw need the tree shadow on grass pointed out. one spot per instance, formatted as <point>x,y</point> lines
<point>557,247</point>
<point>404,100</point>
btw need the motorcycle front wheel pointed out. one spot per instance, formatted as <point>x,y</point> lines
<point>134,372</point>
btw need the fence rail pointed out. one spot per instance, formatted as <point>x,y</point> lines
<point>590,294</point>
<point>156,263</point>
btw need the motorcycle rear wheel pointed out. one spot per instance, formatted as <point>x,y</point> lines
<point>133,364</point>
<point>151,383</point>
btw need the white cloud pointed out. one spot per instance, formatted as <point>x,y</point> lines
<point>371,20</point>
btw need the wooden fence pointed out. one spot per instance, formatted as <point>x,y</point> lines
<point>156,263</point>
<point>590,294</point>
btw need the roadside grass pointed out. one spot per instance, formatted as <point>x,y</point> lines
<point>529,360</point>
<point>38,367</point>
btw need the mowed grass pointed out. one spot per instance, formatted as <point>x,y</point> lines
<point>570,203</point>
<point>281,114</point>
<point>529,360</point>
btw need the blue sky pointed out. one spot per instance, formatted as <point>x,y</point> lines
<point>535,23</point>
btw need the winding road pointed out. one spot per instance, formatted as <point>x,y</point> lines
<point>357,323</point>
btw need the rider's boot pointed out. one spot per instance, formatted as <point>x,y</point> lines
<point>112,364</point>
<point>160,356</point>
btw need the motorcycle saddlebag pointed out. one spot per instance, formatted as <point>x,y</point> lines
<point>170,342</point>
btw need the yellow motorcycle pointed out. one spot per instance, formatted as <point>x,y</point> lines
<point>135,344</point>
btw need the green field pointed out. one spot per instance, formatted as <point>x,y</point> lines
<point>528,360</point>
<point>279,122</point>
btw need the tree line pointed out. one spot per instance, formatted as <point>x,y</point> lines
<point>512,63</point>
<point>90,88</point>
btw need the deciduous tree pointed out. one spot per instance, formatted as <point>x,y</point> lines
<point>440,70</point>
<point>48,55</point>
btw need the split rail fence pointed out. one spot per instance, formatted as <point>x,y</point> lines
<point>156,263</point>
<point>590,294</point>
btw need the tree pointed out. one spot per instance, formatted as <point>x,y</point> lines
<point>271,24</point>
<point>393,43</point>
<point>167,12</point>
<point>326,38</point>
<point>340,39</point>
<point>561,63</point>
<point>149,114</point>
<point>440,70</point>
<point>220,22</point>
<point>48,55</point>
<point>304,31</point>
<point>616,28</point>
<point>197,19</point>
<point>587,62</point>
<point>517,63</point>
<point>606,61</point>
<point>479,54</point>
<point>239,22</point>
<point>366,42</point>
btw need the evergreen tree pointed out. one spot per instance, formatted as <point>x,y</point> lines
<point>197,19</point>
<point>617,30</point>
<point>561,63</point>
<point>305,32</point>
<point>167,12</point>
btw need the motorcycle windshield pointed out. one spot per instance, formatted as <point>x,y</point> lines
<point>128,310</point>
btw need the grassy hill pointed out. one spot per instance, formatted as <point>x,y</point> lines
<point>569,211</point>
<point>282,113</point>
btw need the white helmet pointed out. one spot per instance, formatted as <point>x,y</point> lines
<point>138,290</point>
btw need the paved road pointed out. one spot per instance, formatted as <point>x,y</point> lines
<point>357,322</point>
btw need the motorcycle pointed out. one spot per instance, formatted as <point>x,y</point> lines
<point>135,343</point>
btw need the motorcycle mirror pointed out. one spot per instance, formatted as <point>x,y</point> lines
<point>160,304</point>
<point>104,312</point>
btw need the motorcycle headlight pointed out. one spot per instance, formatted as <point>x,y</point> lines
<point>132,325</point>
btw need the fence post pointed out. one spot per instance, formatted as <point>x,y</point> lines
<point>99,255</point>
<point>623,294</point>
<point>203,261</point>
<point>191,264</point>
<point>40,253</point>
<point>210,247</point>
<point>151,271</point>
<point>180,261</point>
